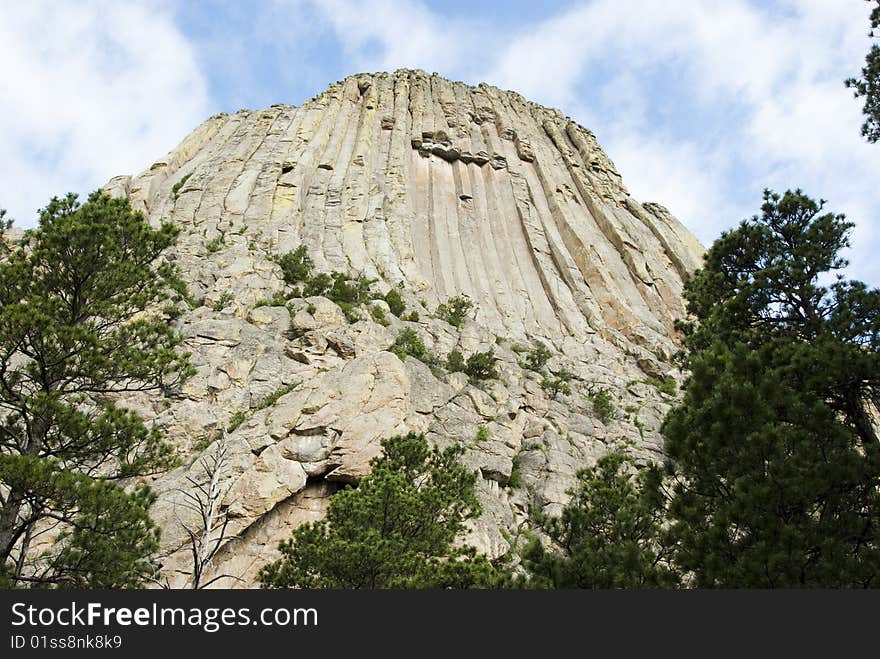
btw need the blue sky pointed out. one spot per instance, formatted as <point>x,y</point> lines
<point>700,103</point>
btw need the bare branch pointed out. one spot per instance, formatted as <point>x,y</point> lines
<point>204,499</point>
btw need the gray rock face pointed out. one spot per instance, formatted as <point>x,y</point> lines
<point>438,189</point>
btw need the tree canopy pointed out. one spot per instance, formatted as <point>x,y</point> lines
<point>608,536</point>
<point>77,326</point>
<point>773,449</point>
<point>868,85</point>
<point>394,530</point>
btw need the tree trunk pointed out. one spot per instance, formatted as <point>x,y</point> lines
<point>861,419</point>
<point>9,530</point>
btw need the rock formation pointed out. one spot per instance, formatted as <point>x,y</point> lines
<point>438,189</point>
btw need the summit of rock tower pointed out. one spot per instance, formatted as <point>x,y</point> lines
<point>437,190</point>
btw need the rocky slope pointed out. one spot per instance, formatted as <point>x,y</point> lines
<point>437,189</point>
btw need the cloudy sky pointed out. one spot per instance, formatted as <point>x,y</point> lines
<point>700,103</point>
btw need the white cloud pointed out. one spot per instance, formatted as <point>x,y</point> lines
<point>383,35</point>
<point>669,172</point>
<point>89,90</point>
<point>773,71</point>
<point>701,103</point>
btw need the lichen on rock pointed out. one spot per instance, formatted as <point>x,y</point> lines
<point>437,189</point>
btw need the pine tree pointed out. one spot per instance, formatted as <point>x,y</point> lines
<point>76,327</point>
<point>774,449</point>
<point>608,536</point>
<point>5,223</point>
<point>394,530</point>
<point>868,85</point>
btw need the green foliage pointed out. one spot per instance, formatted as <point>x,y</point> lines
<point>346,291</point>
<point>666,385</point>
<point>277,300</point>
<point>640,426</point>
<point>378,314</point>
<point>557,384</point>
<point>177,285</point>
<point>773,491</point>
<point>351,314</point>
<point>241,416</point>
<point>172,311</point>
<point>296,266</point>
<point>79,321</point>
<point>236,420</point>
<point>760,280</point>
<point>317,285</point>
<point>272,398</point>
<point>223,301</point>
<point>608,536</point>
<point>868,85</point>
<point>773,448</point>
<point>515,478</point>
<point>311,309</point>
<point>760,288</point>
<point>536,358</point>
<point>206,439</point>
<point>408,342</point>
<point>603,405</point>
<point>395,530</point>
<point>413,317</point>
<point>107,537</point>
<point>215,244</point>
<point>175,189</point>
<point>5,224</point>
<point>481,366</point>
<point>455,310</point>
<point>465,568</point>
<point>395,302</point>
<point>482,435</point>
<point>455,362</point>
<point>110,542</point>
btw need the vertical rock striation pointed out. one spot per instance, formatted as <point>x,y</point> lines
<point>439,189</point>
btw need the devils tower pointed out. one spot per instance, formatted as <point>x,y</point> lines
<point>435,189</point>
